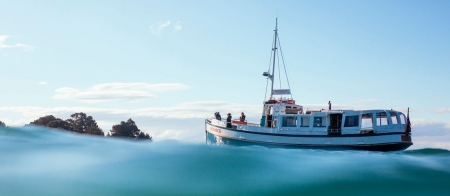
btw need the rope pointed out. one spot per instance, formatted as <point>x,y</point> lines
<point>285,71</point>
<point>279,72</point>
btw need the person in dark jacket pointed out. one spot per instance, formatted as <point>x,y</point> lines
<point>229,120</point>
<point>218,117</point>
<point>242,117</point>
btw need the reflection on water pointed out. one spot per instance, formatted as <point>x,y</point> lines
<point>38,161</point>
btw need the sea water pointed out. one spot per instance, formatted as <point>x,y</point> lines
<point>39,161</point>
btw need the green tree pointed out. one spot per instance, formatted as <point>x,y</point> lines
<point>58,124</point>
<point>43,121</point>
<point>94,130</point>
<point>2,124</point>
<point>128,129</point>
<point>52,122</point>
<point>81,123</point>
<point>143,136</point>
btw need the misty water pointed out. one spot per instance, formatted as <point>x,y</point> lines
<point>40,161</point>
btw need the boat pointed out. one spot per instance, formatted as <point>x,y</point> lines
<point>286,124</point>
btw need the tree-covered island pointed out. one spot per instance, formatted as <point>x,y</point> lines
<point>84,124</point>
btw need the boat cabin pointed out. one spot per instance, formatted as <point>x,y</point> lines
<point>278,107</point>
<point>331,122</point>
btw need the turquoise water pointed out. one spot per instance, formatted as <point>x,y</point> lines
<point>38,161</point>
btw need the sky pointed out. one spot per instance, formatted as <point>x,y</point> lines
<point>170,64</point>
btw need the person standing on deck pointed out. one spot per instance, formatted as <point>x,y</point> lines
<point>242,117</point>
<point>218,116</point>
<point>329,105</point>
<point>274,122</point>
<point>229,120</point>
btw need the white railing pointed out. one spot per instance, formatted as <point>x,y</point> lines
<point>223,122</point>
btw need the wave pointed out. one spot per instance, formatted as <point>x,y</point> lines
<point>428,151</point>
<point>40,161</point>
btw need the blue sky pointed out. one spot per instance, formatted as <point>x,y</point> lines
<point>168,64</point>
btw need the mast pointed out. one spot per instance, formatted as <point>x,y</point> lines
<point>274,55</point>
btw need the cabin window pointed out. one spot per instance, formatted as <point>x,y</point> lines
<point>289,121</point>
<point>394,118</point>
<point>305,121</point>
<point>292,110</point>
<point>382,119</point>
<point>366,121</point>
<point>319,122</point>
<point>402,119</point>
<point>351,121</point>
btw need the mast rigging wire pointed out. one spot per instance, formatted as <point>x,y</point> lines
<point>284,65</point>
<point>279,72</point>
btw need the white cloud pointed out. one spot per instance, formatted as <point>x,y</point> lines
<point>177,26</point>
<point>171,115</point>
<point>17,122</point>
<point>441,110</point>
<point>159,27</point>
<point>429,133</point>
<point>42,83</point>
<point>177,134</point>
<point>170,134</point>
<point>429,127</point>
<point>199,109</point>
<point>25,47</point>
<point>430,142</point>
<point>116,91</point>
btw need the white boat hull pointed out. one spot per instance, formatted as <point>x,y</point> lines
<point>381,142</point>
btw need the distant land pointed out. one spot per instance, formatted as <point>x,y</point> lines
<point>84,124</point>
